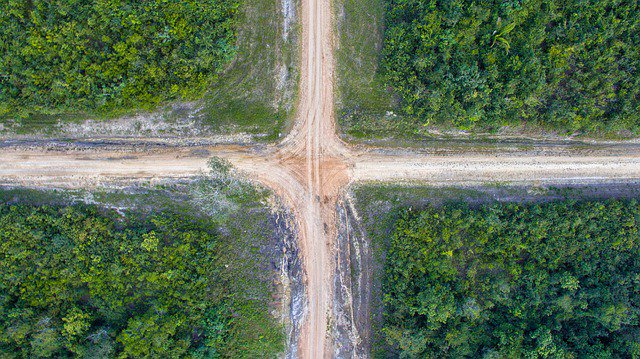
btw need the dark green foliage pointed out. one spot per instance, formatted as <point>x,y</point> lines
<point>68,56</point>
<point>569,65</point>
<point>557,280</point>
<point>83,282</point>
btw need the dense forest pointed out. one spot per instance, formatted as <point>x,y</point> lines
<point>69,56</point>
<point>559,279</point>
<point>84,281</point>
<point>568,65</point>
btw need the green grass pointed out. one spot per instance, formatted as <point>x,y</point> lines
<point>363,104</point>
<point>247,97</point>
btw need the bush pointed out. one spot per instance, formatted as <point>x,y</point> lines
<point>96,56</point>
<point>514,281</point>
<point>570,65</point>
<point>86,282</point>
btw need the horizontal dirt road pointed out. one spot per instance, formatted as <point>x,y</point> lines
<point>48,168</point>
<point>474,168</point>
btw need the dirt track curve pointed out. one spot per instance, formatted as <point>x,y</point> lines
<point>311,167</point>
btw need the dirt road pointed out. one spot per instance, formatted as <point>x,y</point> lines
<point>311,166</point>
<point>476,169</point>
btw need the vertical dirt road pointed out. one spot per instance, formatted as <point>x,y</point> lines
<point>313,150</point>
<point>308,170</point>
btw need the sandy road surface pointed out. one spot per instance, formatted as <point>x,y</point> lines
<point>313,151</point>
<point>42,168</point>
<point>473,168</point>
<point>310,168</point>
<point>70,168</point>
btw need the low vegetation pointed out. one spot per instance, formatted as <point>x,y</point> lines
<point>559,65</point>
<point>557,279</point>
<point>186,272</point>
<point>362,99</point>
<point>256,93</point>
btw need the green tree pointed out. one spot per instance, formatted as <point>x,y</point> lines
<point>506,280</point>
<point>85,281</point>
<point>563,65</point>
<point>70,56</point>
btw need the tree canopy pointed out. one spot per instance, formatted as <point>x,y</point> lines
<point>70,55</point>
<point>570,65</point>
<point>556,280</point>
<point>81,281</point>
